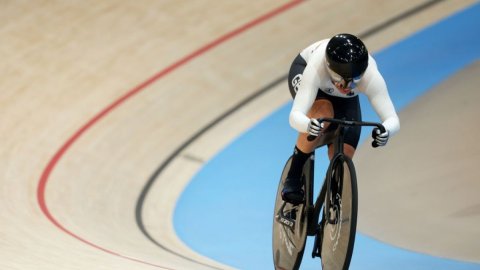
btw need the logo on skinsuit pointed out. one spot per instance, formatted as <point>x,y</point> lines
<point>296,82</point>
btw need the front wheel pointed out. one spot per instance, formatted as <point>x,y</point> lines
<point>340,219</point>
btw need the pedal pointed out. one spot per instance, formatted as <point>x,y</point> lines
<point>287,219</point>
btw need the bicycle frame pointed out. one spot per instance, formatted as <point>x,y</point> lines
<point>337,138</point>
<point>308,213</point>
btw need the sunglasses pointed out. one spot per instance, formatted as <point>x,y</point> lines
<point>344,82</point>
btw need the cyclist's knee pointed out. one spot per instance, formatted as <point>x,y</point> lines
<point>321,108</point>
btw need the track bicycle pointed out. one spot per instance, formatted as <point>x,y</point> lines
<point>337,203</point>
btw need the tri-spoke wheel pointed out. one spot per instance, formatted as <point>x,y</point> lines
<point>339,220</point>
<point>289,230</point>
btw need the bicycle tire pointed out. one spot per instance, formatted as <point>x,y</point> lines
<point>338,230</point>
<point>288,245</point>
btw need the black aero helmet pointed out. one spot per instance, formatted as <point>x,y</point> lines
<point>347,55</point>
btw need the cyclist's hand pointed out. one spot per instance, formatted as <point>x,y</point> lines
<point>380,139</point>
<point>315,127</point>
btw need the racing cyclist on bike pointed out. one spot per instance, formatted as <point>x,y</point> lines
<point>324,81</point>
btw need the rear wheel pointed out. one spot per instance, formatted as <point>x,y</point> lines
<point>289,230</point>
<point>340,220</point>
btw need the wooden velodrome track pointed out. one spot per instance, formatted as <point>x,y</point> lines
<point>96,94</point>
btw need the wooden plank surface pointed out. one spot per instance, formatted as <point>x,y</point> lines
<point>64,62</point>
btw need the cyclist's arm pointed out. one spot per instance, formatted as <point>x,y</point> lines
<point>304,99</point>
<point>377,94</point>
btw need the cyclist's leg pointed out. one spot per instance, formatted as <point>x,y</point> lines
<point>292,191</point>
<point>321,108</point>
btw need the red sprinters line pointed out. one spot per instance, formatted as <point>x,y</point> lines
<point>42,184</point>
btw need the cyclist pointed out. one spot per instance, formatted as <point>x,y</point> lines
<point>324,81</point>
